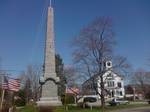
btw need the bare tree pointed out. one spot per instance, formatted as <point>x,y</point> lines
<point>92,47</point>
<point>71,76</point>
<point>141,81</point>
<point>30,77</point>
<point>73,79</point>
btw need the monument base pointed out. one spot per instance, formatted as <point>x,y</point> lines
<point>49,102</point>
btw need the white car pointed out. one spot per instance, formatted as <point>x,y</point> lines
<point>90,101</point>
<point>118,102</point>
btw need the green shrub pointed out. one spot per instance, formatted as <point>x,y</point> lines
<point>67,99</point>
<point>147,95</point>
<point>20,102</point>
<point>21,98</point>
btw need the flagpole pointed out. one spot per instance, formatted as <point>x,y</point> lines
<point>13,98</point>
<point>50,3</point>
<point>3,93</point>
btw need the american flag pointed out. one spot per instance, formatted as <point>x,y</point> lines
<point>11,84</point>
<point>14,84</point>
<point>72,90</point>
<point>5,83</point>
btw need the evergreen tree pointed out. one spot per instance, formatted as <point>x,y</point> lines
<point>60,74</point>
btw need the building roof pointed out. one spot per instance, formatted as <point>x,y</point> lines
<point>105,72</point>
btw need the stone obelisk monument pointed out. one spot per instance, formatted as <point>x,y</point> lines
<point>49,95</point>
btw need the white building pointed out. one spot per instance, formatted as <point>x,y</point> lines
<point>113,83</point>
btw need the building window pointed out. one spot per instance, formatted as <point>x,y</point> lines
<point>119,84</point>
<point>120,93</point>
<point>109,75</point>
<point>110,83</point>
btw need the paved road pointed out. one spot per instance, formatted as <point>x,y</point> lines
<point>141,109</point>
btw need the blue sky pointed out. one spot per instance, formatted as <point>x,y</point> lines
<point>22,29</point>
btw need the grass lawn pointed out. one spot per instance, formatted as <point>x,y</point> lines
<point>27,109</point>
<point>77,109</point>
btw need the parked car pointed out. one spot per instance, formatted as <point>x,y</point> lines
<point>115,102</point>
<point>148,101</point>
<point>90,101</point>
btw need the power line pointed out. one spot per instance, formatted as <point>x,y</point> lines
<point>39,31</point>
<point>11,70</point>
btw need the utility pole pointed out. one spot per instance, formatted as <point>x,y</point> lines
<point>133,93</point>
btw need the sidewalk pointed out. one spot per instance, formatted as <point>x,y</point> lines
<point>139,109</point>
